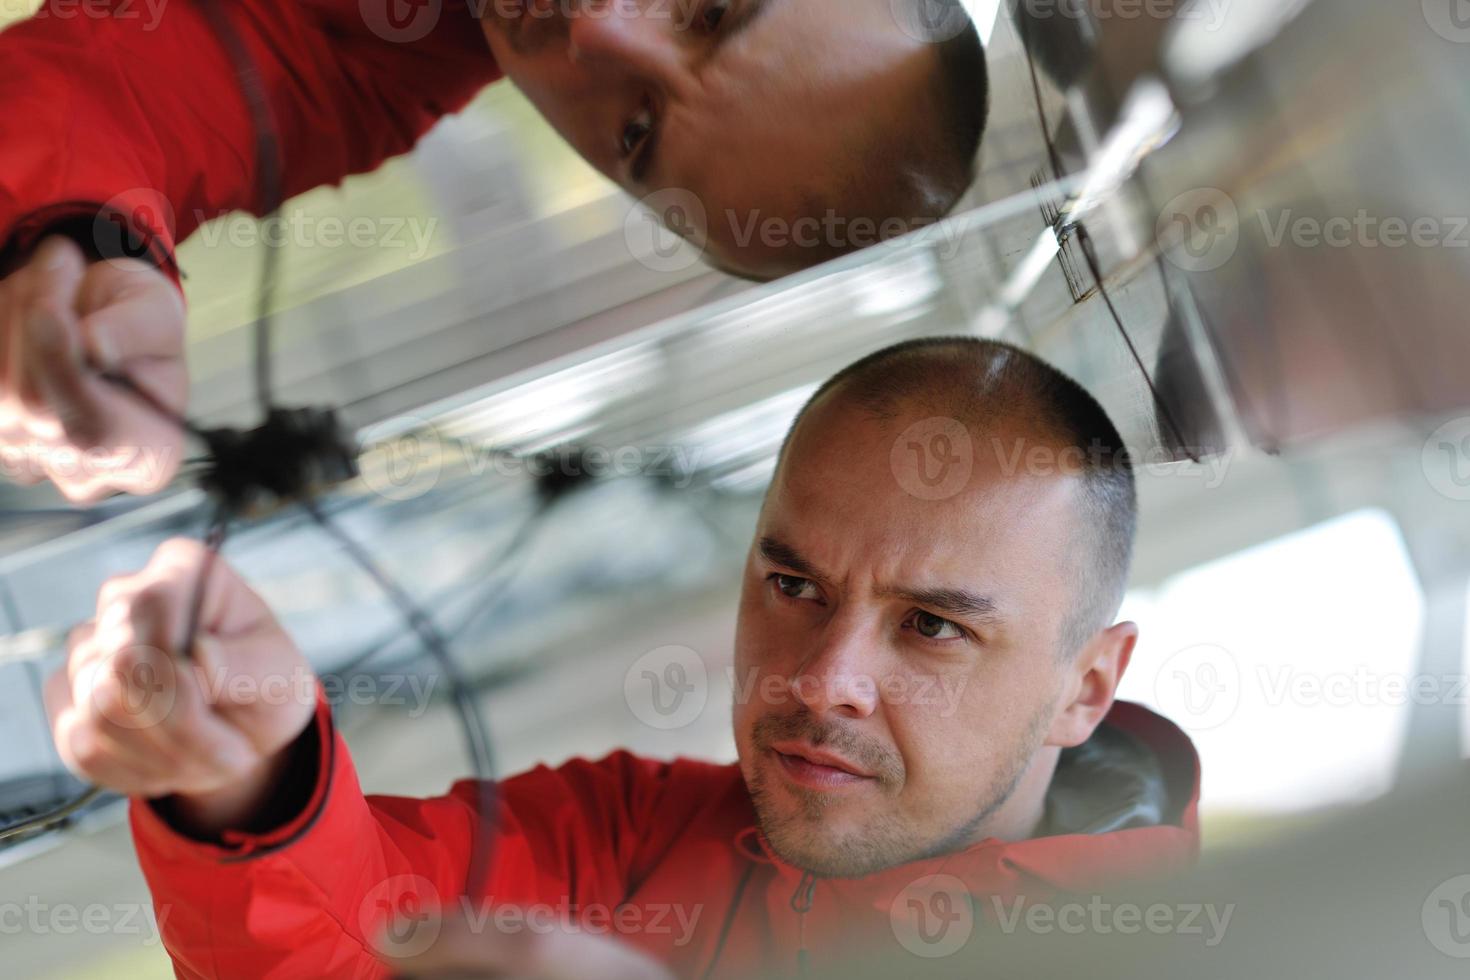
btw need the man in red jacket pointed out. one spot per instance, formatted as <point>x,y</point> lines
<point>773,133</point>
<point>925,669</point>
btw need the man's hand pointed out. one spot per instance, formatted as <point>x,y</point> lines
<point>62,321</point>
<point>128,713</point>
<point>460,949</point>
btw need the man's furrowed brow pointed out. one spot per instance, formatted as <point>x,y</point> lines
<point>955,602</point>
<point>746,16</point>
<point>752,12</point>
<point>779,553</point>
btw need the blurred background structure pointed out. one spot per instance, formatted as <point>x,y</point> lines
<point>1249,240</point>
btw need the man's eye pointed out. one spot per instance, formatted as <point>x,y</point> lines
<point>933,627</point>
<point>791,586</point>
<point>714,14</point>
<point>636,131</point>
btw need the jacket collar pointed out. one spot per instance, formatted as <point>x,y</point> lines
<point>1123,806</point>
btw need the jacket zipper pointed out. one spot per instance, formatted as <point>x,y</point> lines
<point>801,904</point>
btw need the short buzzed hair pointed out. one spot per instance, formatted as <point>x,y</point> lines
<point>904,175</point>
<point>987,381</point>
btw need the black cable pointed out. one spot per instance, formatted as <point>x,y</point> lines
<point>481,603</point>
<point>268,170</point>
<point>53,816</point>
<point>1166,414</point>
<point>151,400</point>
<point>428,632</point>
<point>476,734</point>
<point>1089,254</point>
<point>214,540</point>
<point>1051,150</point>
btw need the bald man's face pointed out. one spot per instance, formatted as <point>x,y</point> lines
<point>903,607</point>
<point>753,108</point>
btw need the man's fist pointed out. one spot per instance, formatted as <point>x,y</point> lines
<point>62,320</point>
<point>463,948</point>
<point>130,714</point>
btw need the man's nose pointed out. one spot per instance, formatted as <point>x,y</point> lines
<point>623,37</point>
<point>840,674</point>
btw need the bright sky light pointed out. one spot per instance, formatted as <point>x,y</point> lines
<point>1289,664</point>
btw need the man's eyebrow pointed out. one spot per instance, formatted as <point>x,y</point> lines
<point>956,602</point>
<point>780,553</point>
<point>750,13</point>
<point>647,156</point>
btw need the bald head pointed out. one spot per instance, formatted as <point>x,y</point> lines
<point>1004,396</point>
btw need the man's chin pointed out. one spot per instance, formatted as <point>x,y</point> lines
<point>828,854</point>
<point>834,839</point>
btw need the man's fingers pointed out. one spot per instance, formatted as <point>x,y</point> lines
<point>56,695</point>
<point>134,720</point>
<point>45,296</point>
<point>9,290</point>
<point>133,714</point>
<point>131,685</point>
<point>52,371</point>
<point>130,311</point>
<point>153,605</point>
<point>462,950</point>
<point>62,320</point>
<point>566,954</point>
<point>152,615</point>
<point>55,273</point>
<point>459,951</point>
<point>231,608</point>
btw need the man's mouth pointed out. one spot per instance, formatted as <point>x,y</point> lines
<point>817,768</point>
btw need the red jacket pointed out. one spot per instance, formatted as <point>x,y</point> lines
<point>146,120</point>
<point>665,855</point>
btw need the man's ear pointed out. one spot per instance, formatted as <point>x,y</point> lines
<point>1091,684</point>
